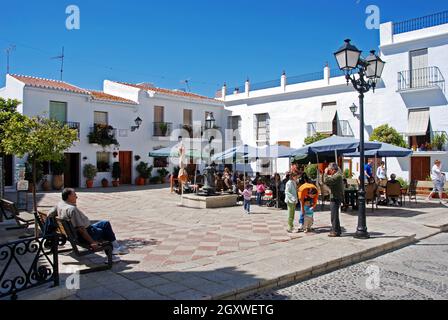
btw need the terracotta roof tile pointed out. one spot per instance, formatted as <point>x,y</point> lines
<point>170,92</point>
<point>98,95</point>
<point>48,84</point>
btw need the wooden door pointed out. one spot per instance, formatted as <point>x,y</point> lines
<point>420,168</point>
<point>126,167</point>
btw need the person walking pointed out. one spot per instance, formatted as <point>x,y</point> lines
<point>260,191</point>
<point>247,197</point>
<point>334,179</point>
<point>439,180</point>
<point>291,200</point>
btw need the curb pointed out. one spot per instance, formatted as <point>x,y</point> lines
<point>318,270</point>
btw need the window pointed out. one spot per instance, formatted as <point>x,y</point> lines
<point>284,143</point>
<point>188,117</point>
<point>100,118</point>
<point>159,114</point>
<point>328,124</point>
<point>262,129</point>
<point>161,162</point>
<point>103,161</point>
<point>58,111</point>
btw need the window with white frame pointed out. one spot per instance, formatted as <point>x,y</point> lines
<point>262,129</point>
<point>100,117</point>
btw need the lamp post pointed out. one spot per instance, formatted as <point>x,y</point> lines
<point>369,70</point>
<point>138,122</point>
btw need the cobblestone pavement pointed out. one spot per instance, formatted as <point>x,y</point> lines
<point>182,253</point>
<point>418,272</point>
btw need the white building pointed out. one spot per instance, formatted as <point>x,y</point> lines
<point>163,113</point>
<point>411,98</point>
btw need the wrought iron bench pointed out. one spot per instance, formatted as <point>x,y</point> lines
<point>9,206</point>
<point>76,242</point>
<point>67,232</point>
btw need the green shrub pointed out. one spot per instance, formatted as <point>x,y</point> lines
<point>90,171</point>
<point>311,171</point>
<point>404,183</point>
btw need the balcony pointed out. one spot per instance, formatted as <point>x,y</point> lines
<point>73,125</point>
<point>340,128</point>
<point>421,79</point>
<point>103,135</point>
<point>432,141</point>
<point>421,23</point>
<point>162,129</point>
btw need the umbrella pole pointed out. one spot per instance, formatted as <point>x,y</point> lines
<point>277,186</point>
<point>195,173</point>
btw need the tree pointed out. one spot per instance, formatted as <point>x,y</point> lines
<point>8,108</point>
<point>40,138</point>
<point>389,135</point>
<point>316,137</point>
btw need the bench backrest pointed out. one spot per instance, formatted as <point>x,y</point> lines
<point>371,190</point>
<point>69,231</point>
<point>9,206</point>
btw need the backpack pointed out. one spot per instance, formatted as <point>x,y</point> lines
<point>51,225</point>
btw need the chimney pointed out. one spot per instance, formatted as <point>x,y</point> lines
<point>224,91</point>
<point>283,81</point>
<point>247,87</point>
<point>327,74</point>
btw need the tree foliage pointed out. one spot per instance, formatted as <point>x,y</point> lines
<point>316,137</point>
<point>8,108</point>
<point>389,135</point>
<point>40,138</point>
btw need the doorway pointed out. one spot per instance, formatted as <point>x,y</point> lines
<point>8,163</point>
<point>420,168</point>
<point>126,167</point>
<point>71,170</point>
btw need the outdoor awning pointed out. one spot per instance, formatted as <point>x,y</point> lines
<point>327,116</point>
<point>418,122</point>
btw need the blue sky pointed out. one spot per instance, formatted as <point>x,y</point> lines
<point>207,42</point>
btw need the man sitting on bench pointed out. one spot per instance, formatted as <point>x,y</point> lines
<point>91,233</point>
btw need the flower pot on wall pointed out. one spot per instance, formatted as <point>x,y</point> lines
<point>105,183</point>
<point>89,184</point>
<point>140,181</point>
<point>115,183</point>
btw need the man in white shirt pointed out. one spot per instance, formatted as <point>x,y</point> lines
<point>91,233</point>
<point>439,180</point>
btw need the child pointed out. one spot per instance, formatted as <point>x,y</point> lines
<point>260,191</point>
<point>309,215</point>
<point>247,195</point>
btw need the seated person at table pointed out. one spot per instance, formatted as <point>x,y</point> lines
<point>393,180</point>
<point>227,179</point>
<point>90,233</point>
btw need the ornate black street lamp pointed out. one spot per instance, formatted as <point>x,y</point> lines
<point>369,70</point>
<point>138,123</point>
<point>210,121</point>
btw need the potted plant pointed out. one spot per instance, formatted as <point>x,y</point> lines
<point>162,174</point>
<point>163,128</point>
<point>102,135</point>
<point>154,180</point>
<point>105,183</point>
<point>148,174</point>
<point>115,154</point>
<point>46,185</point>
<point>116,174</point>
<point>142,169</point>
<point>137,157</point>
<point>90,174</point>
<point>57,168</point>
<point>439,140</point>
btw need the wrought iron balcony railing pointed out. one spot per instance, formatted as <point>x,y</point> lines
<point>421,23</point>
<point>429,77</point>
<point>73,125</point>
<point>341,128</point>
<point>162,129</point>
